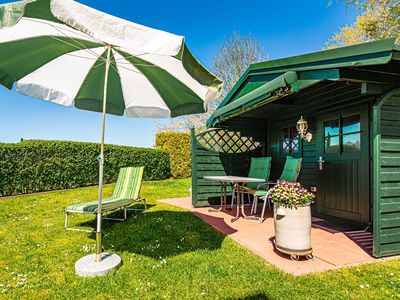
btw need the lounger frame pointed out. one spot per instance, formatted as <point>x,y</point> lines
<point>105,211</point>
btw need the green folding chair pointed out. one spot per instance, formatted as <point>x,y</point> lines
<point>126,192</point>
<point>292,169</point>
<point>260,168</point>
<point>290,172</point>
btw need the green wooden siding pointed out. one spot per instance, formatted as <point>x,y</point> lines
<point>308,174</point>
<point>387,175</point>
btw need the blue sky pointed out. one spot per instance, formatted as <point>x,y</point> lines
<point>283,28</point>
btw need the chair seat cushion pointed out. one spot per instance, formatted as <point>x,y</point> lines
<point>260,193</point>
<point>250,190</point>
<point>91,207</point>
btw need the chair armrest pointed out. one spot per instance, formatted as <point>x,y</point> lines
<point>268,194</point>
<point>265,183</point>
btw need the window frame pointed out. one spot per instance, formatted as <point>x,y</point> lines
<point>340,117</point>
<point>282,140</point>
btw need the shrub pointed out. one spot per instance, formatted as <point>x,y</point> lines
<point>35,165</point>
<point>178,146</point>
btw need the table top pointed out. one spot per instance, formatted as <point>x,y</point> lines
<point>234,179</point>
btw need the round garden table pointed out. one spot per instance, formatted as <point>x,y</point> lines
<point>238,184</point>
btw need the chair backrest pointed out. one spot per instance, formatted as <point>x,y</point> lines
<point>128,183</point>
<point>291,170</point>
<point>260,167</point>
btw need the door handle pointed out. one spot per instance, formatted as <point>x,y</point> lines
<point>320,163</point>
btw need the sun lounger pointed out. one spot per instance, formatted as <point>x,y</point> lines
<point>126,193</point>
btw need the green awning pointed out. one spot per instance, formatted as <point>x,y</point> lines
<point>284,85</point>
<point>289,75</point>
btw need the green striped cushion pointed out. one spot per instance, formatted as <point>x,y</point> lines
<point>128,183</point>
<point>126,189</point>
<point>91,207</point>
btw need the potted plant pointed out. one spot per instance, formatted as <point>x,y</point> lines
<point>292,219</point>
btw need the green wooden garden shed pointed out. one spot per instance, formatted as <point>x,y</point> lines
<point>350,98</point>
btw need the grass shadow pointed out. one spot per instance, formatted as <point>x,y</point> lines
<point>259,296</point>
<point>159,233</point>
<point>217,222</point>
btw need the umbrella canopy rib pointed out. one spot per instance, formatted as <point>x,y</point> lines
<point>90,94</point>
<point>174,93</point>
<point>61,87</point>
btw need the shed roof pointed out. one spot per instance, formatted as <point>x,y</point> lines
<point>269,81</point>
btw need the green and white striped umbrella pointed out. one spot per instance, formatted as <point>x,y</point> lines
<point>70,54</point>
<point>56,50</point>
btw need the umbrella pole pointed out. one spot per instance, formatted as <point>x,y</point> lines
<point>101,161</point>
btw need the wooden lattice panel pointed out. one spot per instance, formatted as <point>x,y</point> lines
<point>219,140</point>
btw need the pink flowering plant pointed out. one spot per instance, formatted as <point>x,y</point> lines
<point>291,194</point>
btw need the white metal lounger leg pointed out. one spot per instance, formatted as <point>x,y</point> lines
<point>125,210</point>
<point>66,220</point>
<point>74,229</point>
<point>139,209</point>
<point>116,219</point>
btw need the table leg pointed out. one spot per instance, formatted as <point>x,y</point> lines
<point>233,195</point>
<point>237,190</point>
<point>226,206</point>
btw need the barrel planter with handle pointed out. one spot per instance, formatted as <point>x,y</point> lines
<point>292,219</point>
<point>293,230</point>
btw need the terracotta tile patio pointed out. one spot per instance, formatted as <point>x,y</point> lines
<point>333,248</point>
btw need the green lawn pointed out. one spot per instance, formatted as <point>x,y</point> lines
<point>167,253</point>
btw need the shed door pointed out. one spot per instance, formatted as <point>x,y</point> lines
<point>343,145</point>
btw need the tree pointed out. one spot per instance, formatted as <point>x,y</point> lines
<point>377,19</point>
<point>233,57</point>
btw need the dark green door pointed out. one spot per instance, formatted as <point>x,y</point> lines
<point>343,170</point>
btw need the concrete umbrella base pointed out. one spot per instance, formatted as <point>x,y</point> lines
<point>88,267</point>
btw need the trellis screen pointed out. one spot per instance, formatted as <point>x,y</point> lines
<point>219,152</point>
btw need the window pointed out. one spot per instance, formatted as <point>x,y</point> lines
<point>332,134</point>
<point>342,134</point>
<point>290,140</point>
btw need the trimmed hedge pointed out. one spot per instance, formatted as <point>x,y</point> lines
<point>36,165</point>
<point>178,146</point>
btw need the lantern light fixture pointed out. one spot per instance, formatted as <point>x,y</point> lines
<point>302,127</point>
